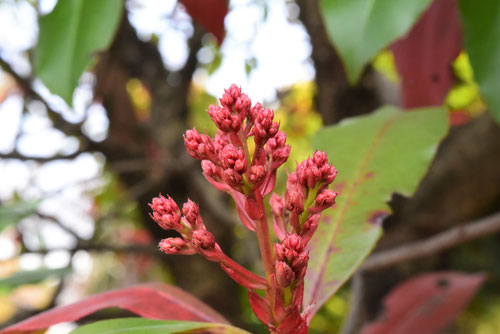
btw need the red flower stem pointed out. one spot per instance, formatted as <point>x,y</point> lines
<point>265,244</point>
<point>243,272</point>
<point>266,249</point>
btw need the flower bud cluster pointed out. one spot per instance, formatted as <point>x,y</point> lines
<point>248,173</point>
<point>288,283</point>
<point>307,195</point>
<point>291,253</point>
<point>195,237</point>
<point>226,160</point>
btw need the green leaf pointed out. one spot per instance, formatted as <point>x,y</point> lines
<point>148,326</point>
<point>361,28</point>
<point>376,155</point>
<point>481,21</point>
<point>11,214</point>
<point>69,38</point>
<point>32,276</point>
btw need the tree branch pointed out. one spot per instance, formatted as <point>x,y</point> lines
<point>150,249</point>
<point>26,85</point>
<point>59,224</point>
<point>18,156</point>
<point>435,244</point>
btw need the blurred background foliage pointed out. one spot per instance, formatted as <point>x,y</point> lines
<point>105,205</point>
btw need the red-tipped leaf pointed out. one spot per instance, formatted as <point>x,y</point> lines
<point>423,58</point>
<point>426,303</point>
<point>209,14</point>
<point>152,301</point>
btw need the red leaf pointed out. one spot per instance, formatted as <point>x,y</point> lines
<point>426,303</point>
<point>424,57</point>
<point>209,14</point>
<point>152,301</point>
<point>260,307</point>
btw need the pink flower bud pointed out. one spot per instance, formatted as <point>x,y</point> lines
<point>255,111</point>
<point>232,178</point>
<point>284,274</point>
<point>176,246</point>
<point>328,173</point>
<point>280,252</point>
<point>299,262</point>
<point>243,104</point>
<point>203,239</point>
<point>210,169</point>
<point>280,156</point>
<point>166,213</point>
<point>221,140</point>
<point>291,250</point>
<point>264,127</point>
<point>314,170</point>
<point>310,227</point>
<point>226,100</point>
<point>234,158</point>
<point>326,198</point>
<point>276,142</point>
<point>319,158</point>
<point>199,146</point>
<point>191,211</point>
<point>257,174</point>
<point>308,174</point>
<point>293,242</point>
<point>294,201</point>
<point>222,117</point>
<point>234,91</point>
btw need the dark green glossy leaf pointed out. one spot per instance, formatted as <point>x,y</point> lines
<point>361,28</point>
<point>481,22</point>
<point>32,276</point>
<point>69,38</point>
<point>376,155</point>
<point>147,326</point>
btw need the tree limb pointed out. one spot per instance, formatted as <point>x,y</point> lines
<point>18,156</point>
<point>26,84</point>
<point>435,244</point>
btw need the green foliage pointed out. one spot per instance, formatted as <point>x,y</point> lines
<point>69,38</point>
<point>361,28</point>
<point>143,326</point>
<point>481,23</point>
<point>198,101</point>
<point>11,214</point>
<point>32,276</point>
<point>376,155</point>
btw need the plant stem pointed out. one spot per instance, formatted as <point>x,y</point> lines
<point>262,230</point>
<point>266,250</point>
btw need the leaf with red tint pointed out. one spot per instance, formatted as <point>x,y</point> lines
<point>424,57</point>
<point>426,303</point>
<point>152,301</point>
<point>209,14</point>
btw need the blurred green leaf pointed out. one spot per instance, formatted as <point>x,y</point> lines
<point>69,38</point>
<point>250,65</point>
<point>143,326</point>
<point>481,21</point>
<point>376,155</point>
<point>361,28</point>
<point>32,276</point>
<point>11,214</point>
<point>216,62</point>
